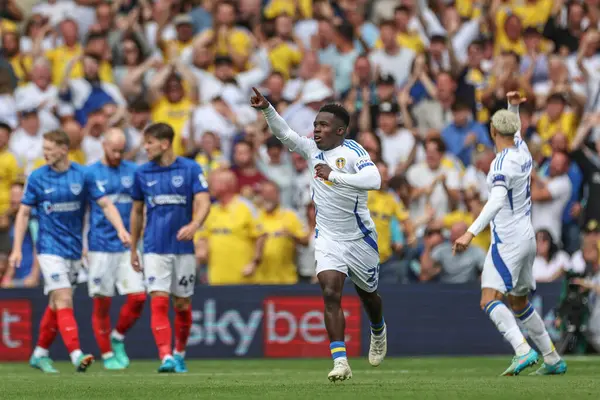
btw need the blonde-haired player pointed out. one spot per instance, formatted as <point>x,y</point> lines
<point>508,267</point>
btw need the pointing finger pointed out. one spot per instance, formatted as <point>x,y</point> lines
<point>256,91</point>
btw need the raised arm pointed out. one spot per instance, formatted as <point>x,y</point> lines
<point>514,101</point>
<point>280,128</point>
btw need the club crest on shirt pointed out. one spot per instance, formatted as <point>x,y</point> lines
<point>126,181</point>
<point>177,180</point>
<point>75,188</point>
<point>340,163</point>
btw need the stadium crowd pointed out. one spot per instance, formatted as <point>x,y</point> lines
<point>420,79</point>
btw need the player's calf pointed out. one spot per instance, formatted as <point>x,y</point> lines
<point>130,313</point>
<point>374,308</point>
<point>183,325</point>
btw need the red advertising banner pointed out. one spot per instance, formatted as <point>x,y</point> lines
<point>15,330</point>
<point>294,326</point>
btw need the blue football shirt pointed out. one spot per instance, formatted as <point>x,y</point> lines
<point>168,194</point>
<point>59,199</point>
<point>117,184</point>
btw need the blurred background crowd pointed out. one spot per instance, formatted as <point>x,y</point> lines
<point>421,79</point>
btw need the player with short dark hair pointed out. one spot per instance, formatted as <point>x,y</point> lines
<point>345,239</point>
<point>59,191</point>
<point>174,192</point>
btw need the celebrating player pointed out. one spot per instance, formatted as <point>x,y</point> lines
<point>508,268</point>
<point>108,260</point>
<point>174,191</point>
<point>59,191</point>
<point>346,240</point>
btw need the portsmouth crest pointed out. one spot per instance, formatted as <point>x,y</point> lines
<point>340,163</point>
<point>75,188</point>
<point>177,181</point>
<point>126,181</point>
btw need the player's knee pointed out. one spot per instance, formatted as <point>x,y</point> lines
<point>137,300</point>
<point>159,294</point>
<point>331,297</point>
<point>489,295</point>
<point>181,303</point>
<point>517,303</point>
<point>61,298</point>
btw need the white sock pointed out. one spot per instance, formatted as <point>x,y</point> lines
<point>75,354</point>
<point>38,352</point>
<point>507,325</point>
<point>117,336</point>
<point>534,324</point>
<point>179,353</point>
<point>108,355</point>
<point>167,357</point>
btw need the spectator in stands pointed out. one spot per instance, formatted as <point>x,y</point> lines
<point>231,240</point>
<point>587,156</point>
<point>275,166</point>
<point>209,156</point>
<point>437,113</point>
<point>26,141</point>
<point>455,268</point>
<point>591,234</point>
<point>392,58</point>
<point>247,175</point>
<point>306,254</point>
<point>550,196</point>
<point>475,177</point>
<point>283,230</point>
<point>433,183</point>
<point>464,134</point>
<point>550,262</point>
<point>9,168</point>
<point>28,274</point>
<point>75,134</point>
<point>398,144</point>
<point>431,239</point>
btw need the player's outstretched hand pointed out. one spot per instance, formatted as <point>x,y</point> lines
<point>462,243</point>
<point>186,233</point>
<point>323,171</point>
<point>515,99</point>
<point>135,261</point>
<point>15,258</point>
<point>125,238</point>
<point>258,101</point>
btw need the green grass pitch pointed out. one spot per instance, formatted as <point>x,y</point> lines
<point>396,378</point>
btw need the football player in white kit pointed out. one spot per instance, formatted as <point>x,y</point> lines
<point>345,238</point>
<point>509,264</point>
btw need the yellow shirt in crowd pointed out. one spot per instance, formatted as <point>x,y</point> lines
<point>175,114</point>
<point>410,40</point>
<point>231,232</point>
<point>383,206</point>
<point>566,124</point>
<point>278,266</point>
<point>239,40</point>
<point>60,57</point>
<point>215,162</point>
<point>21,65</point>
<point>482,240</point>
<point>9,173</point>
<point>531,15</point>
<point>278,7</point>
<point>284,58</point>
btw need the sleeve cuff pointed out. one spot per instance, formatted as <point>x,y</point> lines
<point>333,176</point>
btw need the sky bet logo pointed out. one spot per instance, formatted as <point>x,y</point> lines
<point>291,327</point>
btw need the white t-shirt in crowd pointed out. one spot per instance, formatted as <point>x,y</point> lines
<point>544,270</point>
<point>476,179</point>
<point>396,148</point>
<point>421,176</point>
<point>92,148</point>
<point>397,65</point>
<point>548,214</point>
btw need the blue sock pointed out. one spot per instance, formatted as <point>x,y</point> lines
<point>377,329</point>
<point>338,349</point>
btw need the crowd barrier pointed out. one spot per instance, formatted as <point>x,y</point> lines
<point>284,321</point>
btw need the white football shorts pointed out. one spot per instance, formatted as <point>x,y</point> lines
<point>171,273</point>
<point>358,259</point>
<point>58,272</point>
<point>508,268</point>
<point>107,270</point>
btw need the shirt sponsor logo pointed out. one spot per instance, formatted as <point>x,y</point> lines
<point>177,181</point>
<point>120,198</point>
<point>126,181</point>
<point>69,206</point>
<point>166,199</point>
<point>75,188</point>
